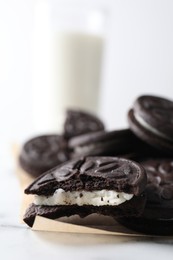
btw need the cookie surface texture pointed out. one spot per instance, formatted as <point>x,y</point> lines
<point>43,153</point>
<point>157,217</point>
<point>80,122</point>
<point>112,143</point>
<point>105,185</point>
<point>151,119</point>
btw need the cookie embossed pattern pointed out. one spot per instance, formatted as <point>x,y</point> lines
<point>151,119</point>
<point>41,153</point>
<point>157,217</point>
<point>124,181</point>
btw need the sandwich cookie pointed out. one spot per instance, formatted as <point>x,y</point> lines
<point>43,153</point>
<point>105,185</point>
<point>157,218</point>
<point>151,119</point>
<point>80,122</point>
<point>113,143</point>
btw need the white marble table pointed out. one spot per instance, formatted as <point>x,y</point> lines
<point>19,242</point>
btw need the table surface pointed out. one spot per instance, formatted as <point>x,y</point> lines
<point>17,241</point>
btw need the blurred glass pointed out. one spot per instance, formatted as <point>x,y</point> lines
<point>67,58</point>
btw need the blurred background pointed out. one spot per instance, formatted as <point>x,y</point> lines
<point>134,41</point>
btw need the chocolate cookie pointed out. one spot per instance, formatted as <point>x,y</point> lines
<point>113,143</point>
<point>105,185</point>
<point>157,217</point>
<point>43,153</point>
<point>151,120</point>
<point>80,122</point>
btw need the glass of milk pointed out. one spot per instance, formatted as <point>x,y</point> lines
<point>67,57</point>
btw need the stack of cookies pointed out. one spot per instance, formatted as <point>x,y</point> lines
<point>126,174</point>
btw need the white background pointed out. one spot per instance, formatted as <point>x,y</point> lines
<point>138,59</point>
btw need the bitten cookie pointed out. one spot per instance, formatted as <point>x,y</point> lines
<point>157,217</point>
<point>43,153</point>
<point>105,185</point>
<point>151,119</point>
<point>80,122</point>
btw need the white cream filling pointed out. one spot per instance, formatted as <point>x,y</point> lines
<point>95,198</point>
<point>143,123</point>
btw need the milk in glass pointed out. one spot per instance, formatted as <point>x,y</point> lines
<point>67,70</point>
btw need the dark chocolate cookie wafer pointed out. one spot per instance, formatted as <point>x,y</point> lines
<point>157,217</point>
<point>105,185</point>
<point>113,143</point>
<point>151,119</point>
<point>80,122</point>
<point>43,153</point>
